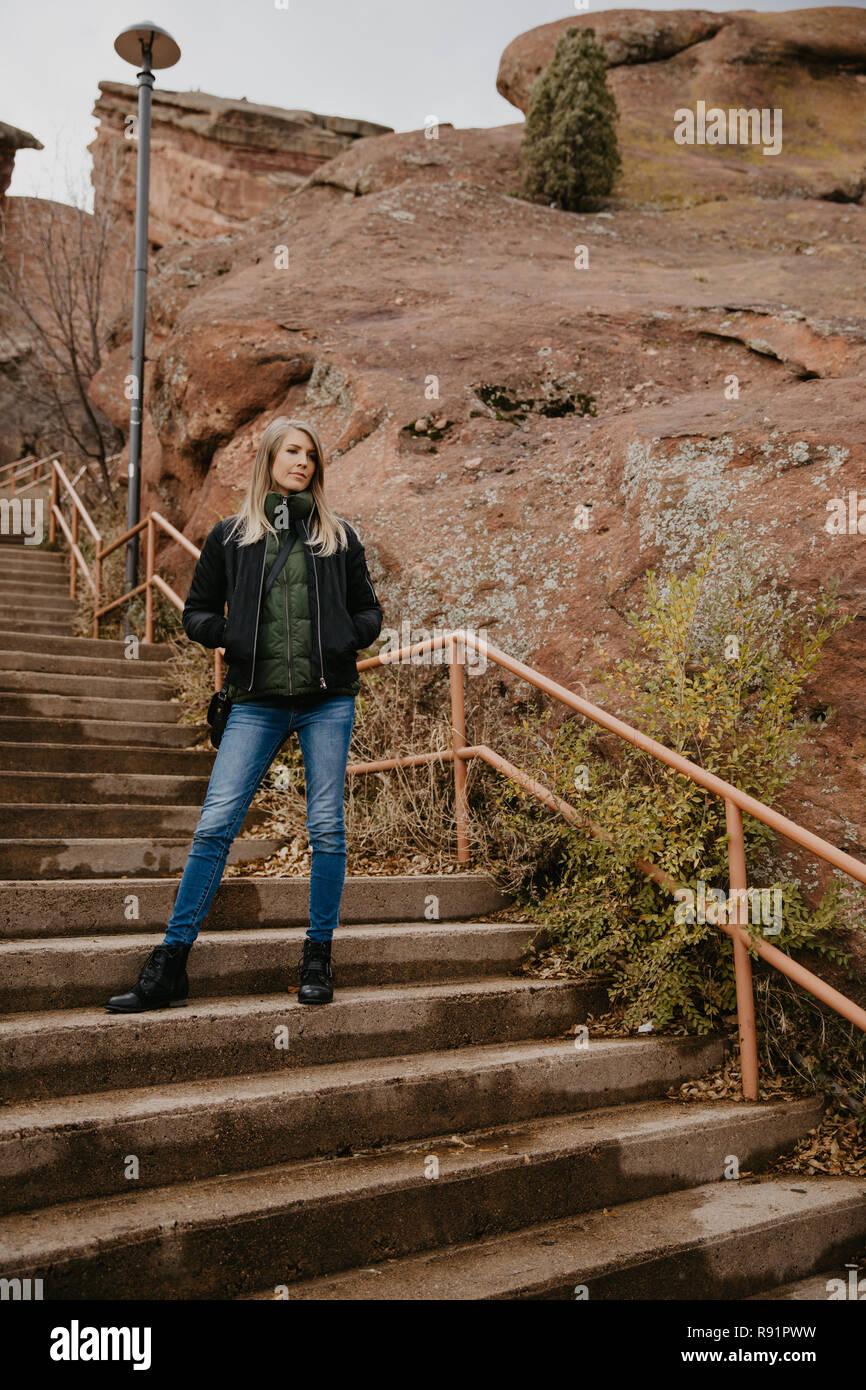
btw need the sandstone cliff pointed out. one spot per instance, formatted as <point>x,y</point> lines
<point>215,163</point>
<point>413,268</point>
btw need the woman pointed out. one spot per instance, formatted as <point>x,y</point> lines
<point>301,605</point>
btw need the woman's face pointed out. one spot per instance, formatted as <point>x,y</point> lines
<point>294,463</point>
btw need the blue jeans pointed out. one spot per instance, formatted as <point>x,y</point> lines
<point>254,734</point>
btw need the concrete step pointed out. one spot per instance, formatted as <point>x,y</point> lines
<point>98,647</point>
<point>106,858</point>
<point>70,665</point>
<point>21,607</point>
<point>40,583</point>
<point>128,713</point>
<point>56,1150</point>
<point>722,1240</point>
<point>25,569</point>
<point>838,1284</point>
<point>24,592</point>
<point>15,625</point>
<point>34,576</point>
<point>43,729</point>
<point>78,907</point>
<point>74,972</point>
<point>30,560</point>
<point>107,821</point>
<point>125,788</point>
<point>217,1237</point>
<point>39,759</point>
<point>86,688</point>
<point>25,556</point>
<point>69,1051</point>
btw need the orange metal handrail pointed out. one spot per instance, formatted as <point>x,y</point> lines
<point>736,801</point>
<point>18,468</point>
<point>16,463</point>
<point>37,463</point>
<point>151,580</point>
<point>457,641</point>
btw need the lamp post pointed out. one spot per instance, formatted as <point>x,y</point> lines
<point>147,47</point>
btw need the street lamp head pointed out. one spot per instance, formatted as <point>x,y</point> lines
<point>164,51</point>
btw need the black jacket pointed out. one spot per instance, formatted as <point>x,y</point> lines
<point>345,613</point>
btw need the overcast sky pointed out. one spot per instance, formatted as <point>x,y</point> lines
<point>393,61</point>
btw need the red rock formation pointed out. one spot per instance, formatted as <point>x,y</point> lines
<point>811,64</point>
<point>215,163</point>
<point>719,341</point>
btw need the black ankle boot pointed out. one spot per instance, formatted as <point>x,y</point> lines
<point>314,970</point>
<point>162,984</point>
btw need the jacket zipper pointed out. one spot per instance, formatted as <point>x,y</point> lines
<point>258,617</point>
<point>322,681</point>
<point>285,584</point>
<point>370,582</point>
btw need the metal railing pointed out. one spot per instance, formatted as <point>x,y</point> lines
<point>736,802</point>
<point>457,642</point>
<point>62,488</point>
<point>11,472</point>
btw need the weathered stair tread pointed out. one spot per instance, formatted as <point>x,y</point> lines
<point>108,819</point>
<point>814,1288</point>
<point>95,759</point>
<point>95,731</point>
<point>77,685</point>
<point>85,646</point>
<point>88,858</point>
<point>65,972</point>
<point>73,1050</point>
<point>139,1218</point>
<point>138,1103</point>
<point>125,710</point>
<point>60,1148</point>
<point>84,664</point>
<point>73,1021</point>
<point>450,939</point>
<point>551,1259</point>
<point>63,906</point>
<point>31,788</point>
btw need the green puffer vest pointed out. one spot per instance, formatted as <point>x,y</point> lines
<point>283,670</point>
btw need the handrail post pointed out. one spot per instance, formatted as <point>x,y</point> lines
<point>218,673</point>
<point>148,593</point>
<point>73,571</point>
<point>742,960</point>
<point>457,661</point>
<point>97,597</point>
<point>52,520</point>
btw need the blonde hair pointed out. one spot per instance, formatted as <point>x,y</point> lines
<point>327,534</point>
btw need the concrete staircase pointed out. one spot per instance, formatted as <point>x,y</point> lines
<point>435,1133</point>
<point>98,779</point>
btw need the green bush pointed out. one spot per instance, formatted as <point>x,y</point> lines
<point>569,151</point>
<point>716,672</point>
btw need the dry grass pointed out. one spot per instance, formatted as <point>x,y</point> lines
<point>400,820</point>
<point>835,1147</point>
